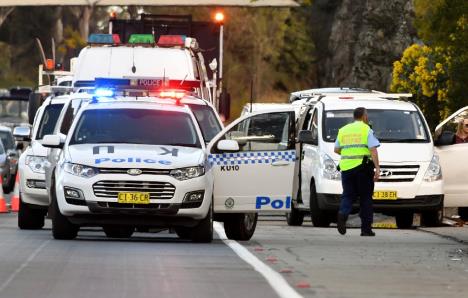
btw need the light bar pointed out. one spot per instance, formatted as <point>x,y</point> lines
<point>141,39</point>
<point>171,41</point>
<point>97,38</point>
<point>104,92</point>
<point>145,84</point>
<point>174,94</point>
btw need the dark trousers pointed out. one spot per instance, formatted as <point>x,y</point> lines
<point>358,183</point>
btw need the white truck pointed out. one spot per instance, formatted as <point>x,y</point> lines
<point>411,176</point>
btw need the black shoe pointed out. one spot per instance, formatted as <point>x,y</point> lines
<point>368,234</point>
<point>341,223</point>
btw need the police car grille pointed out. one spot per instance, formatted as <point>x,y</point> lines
<point>396,173</point>
<point>157,190</point>
<point>124,171</point>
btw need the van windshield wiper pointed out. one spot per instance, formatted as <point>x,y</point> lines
<point>402,140</point>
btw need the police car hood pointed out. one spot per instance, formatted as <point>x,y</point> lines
<point>135,156</point>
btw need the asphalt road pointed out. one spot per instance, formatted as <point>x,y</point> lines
<point>315,262</point>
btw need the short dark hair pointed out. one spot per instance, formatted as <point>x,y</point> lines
<point>359,113</point>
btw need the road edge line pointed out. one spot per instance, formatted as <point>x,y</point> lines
<point>276,281</point>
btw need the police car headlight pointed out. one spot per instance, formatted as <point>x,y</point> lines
<point>36,163</point>
<point>80,170</point>
<point>188,173</point>
<point>434,171</point>
<point>329,170</point>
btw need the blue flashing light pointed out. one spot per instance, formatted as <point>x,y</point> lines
<point>111,82</point>
<point>97,38</point>
<point>103,92</point>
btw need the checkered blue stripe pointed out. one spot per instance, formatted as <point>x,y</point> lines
<point>244,158</point>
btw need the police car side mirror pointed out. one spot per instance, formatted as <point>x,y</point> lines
<point>306,137</point>
<point>228,145</point>
<point>52,141</point>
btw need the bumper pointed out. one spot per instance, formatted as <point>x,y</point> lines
<point>32,196</point>
<point>417,204</point>
<point>98,210</point>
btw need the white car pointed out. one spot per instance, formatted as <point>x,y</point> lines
<point>143,161</point>
<point>411,178</point>
<point>33,195</point>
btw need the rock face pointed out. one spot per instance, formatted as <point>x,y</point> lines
<point>358,40</point>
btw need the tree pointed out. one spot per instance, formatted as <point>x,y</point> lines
<point>424,72</point>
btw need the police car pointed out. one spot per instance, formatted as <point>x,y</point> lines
<point>137,155</point>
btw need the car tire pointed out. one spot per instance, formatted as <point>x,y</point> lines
<point>203,231</point>
<point>463,213</point>
<point>320,218</point>
<point>404,220</point>
<point>432,218</point>
<point>112,231</point>
<point>295,217</point>
<point>33,104</point>
<point>30,218</point>
<point>183,232</point>
<point>241,226</point>
<point>62,228</point>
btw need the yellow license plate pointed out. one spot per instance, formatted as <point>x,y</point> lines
<point>134,197</point>
<point>385,195</point>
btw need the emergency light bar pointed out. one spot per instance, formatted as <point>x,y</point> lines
<point>145,84</point>
<point>97,38</point>
<point>171,41</point>
<point>141,39</point>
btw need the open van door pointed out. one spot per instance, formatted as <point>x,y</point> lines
<point>453,159</point>
<point>253,162</point>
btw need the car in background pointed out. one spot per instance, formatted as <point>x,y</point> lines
<point>12,154</point>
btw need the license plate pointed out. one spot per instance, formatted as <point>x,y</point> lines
<point>385,195</point>
<point>134,197</point>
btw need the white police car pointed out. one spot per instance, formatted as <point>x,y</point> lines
<point>143,161</point>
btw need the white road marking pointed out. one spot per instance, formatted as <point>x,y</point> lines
<point>276,281</point>
<point>24,265</point>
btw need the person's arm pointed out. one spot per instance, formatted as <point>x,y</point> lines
<point>337,147</point>
<point>375,159</point>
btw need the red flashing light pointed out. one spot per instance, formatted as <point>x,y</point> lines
<point>116,38</point>
<point>171,40</point>
<point>219,17</point>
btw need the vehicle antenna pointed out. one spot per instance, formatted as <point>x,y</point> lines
<point>133,61</point>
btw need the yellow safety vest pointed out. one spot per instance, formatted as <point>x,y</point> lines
<point>352,139</point>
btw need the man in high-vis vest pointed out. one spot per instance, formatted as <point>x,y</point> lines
<point>359,166</point>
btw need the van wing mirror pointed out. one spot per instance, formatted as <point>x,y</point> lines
<point>22,133</point>
<point>228,145</point>
<point>52,141</point>
<point>306,137</point>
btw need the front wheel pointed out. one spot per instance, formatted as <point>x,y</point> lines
<point>432,218</point>
<point>295,217</point>
<point>463,212</point>
<point>62,228</point>
<point>240,226</point>
<point>203,231</point>
<point>404,220</point>
<point>30,218</point>
<point>320,218</point>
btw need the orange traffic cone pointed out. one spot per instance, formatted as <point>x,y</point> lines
<point>3,205</point>
<point>15,199</point>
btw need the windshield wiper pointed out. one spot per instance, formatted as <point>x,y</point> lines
<point>402,140</point>
<point>182,145</point>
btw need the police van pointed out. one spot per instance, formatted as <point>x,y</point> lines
<point>410,179</point>
<point>138,156</point>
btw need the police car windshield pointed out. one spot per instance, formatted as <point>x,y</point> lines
<point>207,121</point>
<point>390,126</point>
<point>135,126</point>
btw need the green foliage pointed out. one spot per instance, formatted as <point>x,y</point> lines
<point>423,71</point>
<point>444,23</point>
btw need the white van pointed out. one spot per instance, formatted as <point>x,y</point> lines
<point>411,180</point>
